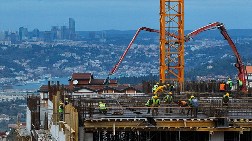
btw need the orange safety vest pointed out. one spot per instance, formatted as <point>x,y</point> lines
<point>222,87</point>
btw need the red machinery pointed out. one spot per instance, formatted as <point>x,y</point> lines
<point>239,65</point>
<point>131,42</point>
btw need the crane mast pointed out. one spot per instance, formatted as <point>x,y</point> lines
<point>171,48</point>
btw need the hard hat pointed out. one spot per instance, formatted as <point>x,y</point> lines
<point>155,97</point>
<point>66,98</point>
<point>100,102</point>
<point>227,94</point>
<point>157,83</point>
<point>229,78</point>
<point>61,103</point>
<point>170,93</point>
<point>192,96</point>
<point>167,84</point>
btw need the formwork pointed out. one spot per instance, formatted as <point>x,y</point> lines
<point>127,117</point>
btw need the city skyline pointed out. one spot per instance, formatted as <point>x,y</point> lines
<point>94,15</point>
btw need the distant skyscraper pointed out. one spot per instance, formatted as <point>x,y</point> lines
<point>64,32</point>
<point>71,28</point>
<point>54,31</point>
<point>23,33</point>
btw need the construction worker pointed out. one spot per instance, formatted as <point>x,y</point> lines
<point>155,104</point>
<point>171,87</point>
<point>222,86</point>
<point>102,108</point>
<point>229,84</point>
<point>61,111</point>
<point>66,101</point>
<point>148,104</point>
<point>160,90</point>
<point>155,87</point>
<point>193,103</point>
<point>225,99</point>
<point>239,84</point>
<point>168,99</point>
<point>182,103</point>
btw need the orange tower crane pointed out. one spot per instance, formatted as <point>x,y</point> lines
<point>171,48</point>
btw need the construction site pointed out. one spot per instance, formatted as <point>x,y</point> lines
<point>127,117</point>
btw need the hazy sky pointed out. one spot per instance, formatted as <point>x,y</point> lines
<point>119,14</point>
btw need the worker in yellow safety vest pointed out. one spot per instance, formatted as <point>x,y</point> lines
<point>160,90</point>
<point>225,99</point>
<point>229,84</point>
<point>155,105</point>
<point>168,99</point>
<point>102,108</point>
<point>61,111</point>
<point>239,84</point>
<point>148,104</point>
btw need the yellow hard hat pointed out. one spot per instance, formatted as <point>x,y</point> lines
<point>170,93</point>
<point>192,96</point>
<point>155,97</point>
<point>227,94</point>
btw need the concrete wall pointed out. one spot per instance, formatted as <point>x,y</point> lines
<point>217,136</point>
<point>88,137</point>
<point>57,133</point>
<point>28,119</point>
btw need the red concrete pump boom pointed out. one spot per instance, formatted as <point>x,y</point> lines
<point>239,65</point>
<point>131,42</point>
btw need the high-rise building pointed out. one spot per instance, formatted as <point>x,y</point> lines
<point>14,38</point>
<point>54,31</point>
<point>71,28</point>
<point>23,33</point>
<point>64,32</point>
<point>47,36</point>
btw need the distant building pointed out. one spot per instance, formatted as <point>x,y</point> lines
<point>64,32</point>
<point>71,29</point>
<point>13,38</point>
<point>47,36</point>
<point>23,33</point>
<point>249,78</point>
<point>35,34</point>
<point>2,36</point>
<point>54,32</point>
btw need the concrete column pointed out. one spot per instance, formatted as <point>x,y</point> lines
<point>81,133</point>
<point>216,136</point>
<point>88,136</point>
